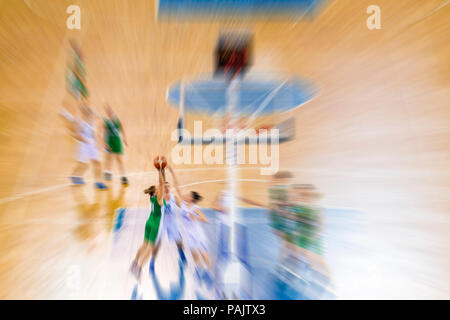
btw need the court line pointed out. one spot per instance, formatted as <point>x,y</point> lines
<point>42,111</point>
<point>61,186</point>
<point>31,193</point>
<point>65,185</point>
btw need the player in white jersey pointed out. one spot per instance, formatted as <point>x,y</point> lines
<point>171,224</point>
<point>194,235</point>
<point>84,131</point>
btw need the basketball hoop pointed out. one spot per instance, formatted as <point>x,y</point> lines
<point>262,99</point>
<point>236,104</point>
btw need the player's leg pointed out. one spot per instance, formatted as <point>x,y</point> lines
<point>148,240</point>
<point>119,160</point>
<point>203,267</point>
<point>141,256</point>
<point>318,262</point>
<point>98,174</point>
<point>154,255</point>
<point>94,155</point>
<point>180,248</point>
<point>107,171</point>
<point>82,160</point>
<point>207,272</point>
<point>205,257</point>
<point>146,255</point>
<point>140,252</point>
<point>198,264</point>
<point>137,257</point>
<point>317,270</point>
<point>156,249</point>
<point>174,235</point>
<point>78,172</point>
<point>152,227</point>
<point>311,248</point>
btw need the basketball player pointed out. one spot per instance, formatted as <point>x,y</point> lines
<point>153,226</point>
<point>84,131</point>
<point>171,224</point>
<point>69,120</point>
<point>279,212</point>
<point>278,201</point>
<point>76,73</point>
<point>75,84</point>
<point>113,134</point>
<point>305,239</point>
<point>195,237</point>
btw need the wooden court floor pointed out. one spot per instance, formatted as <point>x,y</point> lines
<point>376,137</point>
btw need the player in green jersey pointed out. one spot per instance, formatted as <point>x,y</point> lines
<point>113,135</point>
<point>153,226</point>
<point>306,229</point>
<point>76,73</point>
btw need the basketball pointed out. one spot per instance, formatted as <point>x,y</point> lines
<point>160,162</point>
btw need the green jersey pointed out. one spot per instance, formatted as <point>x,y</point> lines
<point>154,222</point>
<point>113,139</point>
<point>278,197</point>
<point>76,78</point>
<point>303,230</point>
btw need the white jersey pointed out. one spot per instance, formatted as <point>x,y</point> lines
<point>87,151</point>
<point>87,130</point>
<point>171,224</point>
<point>195,236</point>
<point>171,205</point>
<point>187,214</point>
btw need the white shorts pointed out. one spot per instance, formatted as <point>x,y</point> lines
<point>87,152</point>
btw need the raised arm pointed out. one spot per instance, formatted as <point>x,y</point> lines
<point>175,182</point>
<point>201,216</point>
<point>101,138</point>
<point>123,134</point>
<point>74,132</point>
<point>217,205</point>
<point>161,190</point>
<point>273,208</point>
<point>253,203</point>
<point>105,133</point>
